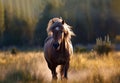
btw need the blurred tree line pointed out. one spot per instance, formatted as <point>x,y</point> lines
<point>24,22</point>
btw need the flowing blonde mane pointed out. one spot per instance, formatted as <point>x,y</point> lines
<point>67,28</point>
<point>69,31</point>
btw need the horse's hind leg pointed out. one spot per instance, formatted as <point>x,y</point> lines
<point>61,71</point>
<point>66,70</point>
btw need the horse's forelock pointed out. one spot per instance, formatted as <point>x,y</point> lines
<point>50,23</point>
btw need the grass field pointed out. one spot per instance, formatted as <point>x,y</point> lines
<point>30,67</point>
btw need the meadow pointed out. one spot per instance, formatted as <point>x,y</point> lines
<point>30,67</point>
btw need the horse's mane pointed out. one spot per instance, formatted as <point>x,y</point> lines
<point>68,29</point>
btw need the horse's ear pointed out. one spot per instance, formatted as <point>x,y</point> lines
<point>60,18</point>
<point>53,21</point>
<point>63,21</point>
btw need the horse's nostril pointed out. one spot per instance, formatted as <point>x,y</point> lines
<point>55,45</point>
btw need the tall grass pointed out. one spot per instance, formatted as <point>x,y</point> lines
<point>95,69</point>
<point>24,67</point>
<point>30,67</point>
<point>103,46</point>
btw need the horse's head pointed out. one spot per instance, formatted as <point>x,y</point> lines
<point>59,30</point>
<point>57,33</point>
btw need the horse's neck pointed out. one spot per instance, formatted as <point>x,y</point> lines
<point>48,38</point>
<point>64,45</point>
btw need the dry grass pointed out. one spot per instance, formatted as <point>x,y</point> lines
<point>30,67</point>
<point>24,67</point>
<point>95,69</point>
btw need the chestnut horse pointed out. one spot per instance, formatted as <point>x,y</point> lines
<point>58,47</point>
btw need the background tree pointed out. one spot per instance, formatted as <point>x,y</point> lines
<point>1,21</point>
<point>24,22</point>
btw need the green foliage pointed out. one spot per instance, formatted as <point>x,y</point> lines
<point>80,49</point>
<point>1,21</point>
<point>103,46</point>
<point>17,31</point>
<point>25,22</point>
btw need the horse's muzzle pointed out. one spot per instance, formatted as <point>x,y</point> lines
<point>56,45</point>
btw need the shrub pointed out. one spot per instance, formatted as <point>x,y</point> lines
<point>14,51</point>
<point>79,48</point>
<point>103,46</point>
<point>117,39</point>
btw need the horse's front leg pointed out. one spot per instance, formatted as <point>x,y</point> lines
<point>53,71</point>
<point>54,74</point>
<point>64,70</point>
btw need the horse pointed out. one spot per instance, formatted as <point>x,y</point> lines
<point>58,47</point>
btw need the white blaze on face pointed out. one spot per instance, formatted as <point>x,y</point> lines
<point>57,28</point>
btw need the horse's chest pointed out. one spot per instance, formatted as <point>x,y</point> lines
<point>61,58</point>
